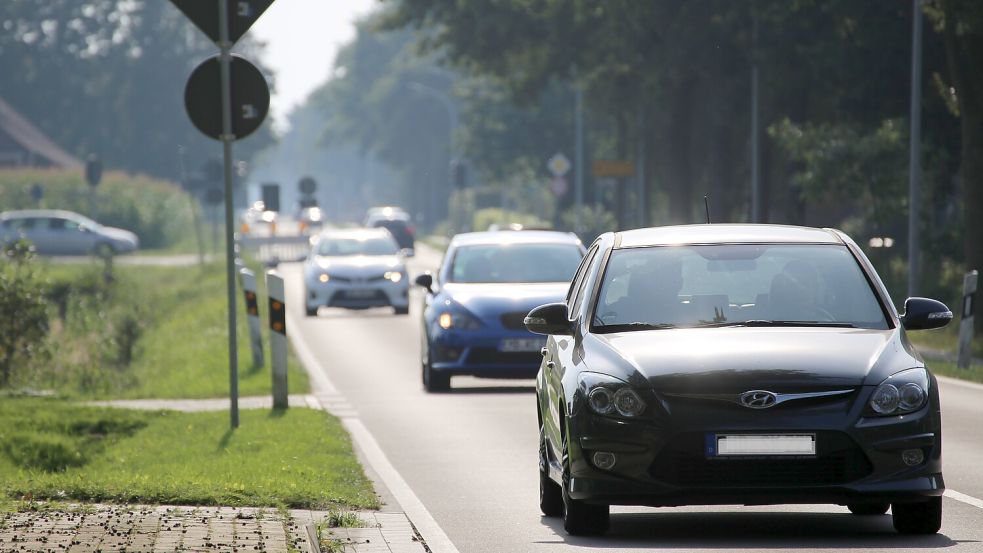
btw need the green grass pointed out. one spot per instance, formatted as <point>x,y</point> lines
<point>182,348</point>
<point>945,339</point>
<point>299,458</point>
<point>944,368</point>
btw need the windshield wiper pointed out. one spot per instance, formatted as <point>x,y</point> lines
<point>624,327</point>
<point>766,322</point>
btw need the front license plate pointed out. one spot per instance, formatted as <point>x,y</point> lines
<point>359,294</point>
<point>521,344</point>
<point>736,445</point>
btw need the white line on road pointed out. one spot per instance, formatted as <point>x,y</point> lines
<point>433,535</point>
<point>967,499</point>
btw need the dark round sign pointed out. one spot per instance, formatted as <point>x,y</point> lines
<point>250,97</point>
<point>308,185</point>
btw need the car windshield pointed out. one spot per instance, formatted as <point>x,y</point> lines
<point>515,263</point>
<point>379,245</point>
<point>740,285</point>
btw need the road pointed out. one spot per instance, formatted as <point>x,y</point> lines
<point>470,455</point>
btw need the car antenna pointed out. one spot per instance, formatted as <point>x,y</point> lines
<point>706,203</point>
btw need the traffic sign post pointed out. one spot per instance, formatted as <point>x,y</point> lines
<point>225,26</point>
<point>965,351</point>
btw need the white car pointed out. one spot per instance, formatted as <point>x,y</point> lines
<point>60,232</point>
<point>356,269</point>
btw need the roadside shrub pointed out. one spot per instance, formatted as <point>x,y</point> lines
<point>594,221</point>
<point>24,326</point>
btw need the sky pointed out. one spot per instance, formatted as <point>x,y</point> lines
<point>302,39</point>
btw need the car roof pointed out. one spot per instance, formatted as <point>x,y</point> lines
<point>725,234</point>
<point>514,237</point>
<point>24,213</point>
<point>356,233</point>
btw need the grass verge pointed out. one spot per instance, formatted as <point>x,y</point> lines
<point>945,368</point>
<point>299,458</point>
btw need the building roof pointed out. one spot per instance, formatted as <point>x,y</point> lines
<point>29,137</point>
<point>726,234</point>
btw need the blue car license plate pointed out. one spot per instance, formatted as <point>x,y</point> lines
<point>521,344</point>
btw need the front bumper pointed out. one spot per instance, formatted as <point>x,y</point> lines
<point>483,353</point>
<point>358,295</point>
<point>662,461</point>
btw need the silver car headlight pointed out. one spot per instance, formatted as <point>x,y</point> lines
<point>394,276</point>
<point>899,394</point>
<point>610,396</point>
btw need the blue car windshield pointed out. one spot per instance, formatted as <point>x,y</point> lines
<point>494,263</point>
<point>736,284</point>
<point>352,246</point>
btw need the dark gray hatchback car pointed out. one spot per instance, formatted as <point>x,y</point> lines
<point>735,364</point>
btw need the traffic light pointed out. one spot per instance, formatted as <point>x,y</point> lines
<point>459,173</point>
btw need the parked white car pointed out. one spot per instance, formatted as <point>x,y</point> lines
<point>356,269</point>
<point>59,232</point>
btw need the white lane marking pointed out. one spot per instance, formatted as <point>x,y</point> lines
<point>433,535</point>
<point>967,499</point>
<point>957,382</point>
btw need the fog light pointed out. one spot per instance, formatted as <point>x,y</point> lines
<point>604,460</point>
<point>912,457</point>
<point>324,277</point>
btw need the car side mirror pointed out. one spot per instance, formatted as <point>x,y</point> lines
<point>924,313</point>
<point>425,280</point>
<point>551,318</point>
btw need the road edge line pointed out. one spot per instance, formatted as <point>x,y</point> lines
<point>961,497</point>
<point>959,382</point>
<point>414,509</point>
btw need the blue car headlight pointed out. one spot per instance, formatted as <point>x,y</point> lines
<point>607,395</point>
<point>453,316</point>
<point>899,394</point>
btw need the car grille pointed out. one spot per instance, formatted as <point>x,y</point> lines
<point>514,320</point>
<point>491,356</point>
<point>838,461</point>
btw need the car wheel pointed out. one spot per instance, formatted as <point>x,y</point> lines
<point>580,518</point>
<point>868,508</point>
<point>434,381</point>
<point>550,494</point>
<point>402,310</point>
<point>312,311</point>
<point>918,518</point>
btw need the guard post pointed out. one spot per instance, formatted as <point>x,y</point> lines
<point>248,280</point>
<point>966,323</point>
<point>278,338</point>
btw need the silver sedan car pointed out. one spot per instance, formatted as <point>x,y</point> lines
<point>59,232</point>
<point>356,269</point>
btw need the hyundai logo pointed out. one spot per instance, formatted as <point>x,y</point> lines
<point>759,399</point>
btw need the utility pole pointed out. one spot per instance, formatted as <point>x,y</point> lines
<point>755,133</point>
<point>914,149</point>
<point>578,177</point>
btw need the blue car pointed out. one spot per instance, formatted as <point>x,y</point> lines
<point>476,303</point>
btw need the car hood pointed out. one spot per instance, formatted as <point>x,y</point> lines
<point>483,299</point>
<point>122,235</point>
<point>728,360</point>
<point>357,265</point>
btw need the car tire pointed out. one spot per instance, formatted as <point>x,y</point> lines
<point>311,311</point>
<point>580,518</point>
<point>868,509</point>
<point>434,381</point>
<point>402,310</point>
<point>918,518</point>
<point>550,493</point>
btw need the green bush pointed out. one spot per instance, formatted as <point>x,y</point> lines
<point>483,218</point>
<point>157,211</point>
<point>24,326</point>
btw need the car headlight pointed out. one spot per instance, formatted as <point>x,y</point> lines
<point>393,276</point>
<point>458,319</point>
<point>900,393</point>
<point>607,395</point>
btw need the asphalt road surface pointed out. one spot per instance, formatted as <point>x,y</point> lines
<point>470,455</point>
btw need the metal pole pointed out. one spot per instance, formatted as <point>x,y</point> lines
<point>578,177</point>
<point>225,60</point>
<point>755,134</point>
<point>642,198</point>
<point>914,150</point>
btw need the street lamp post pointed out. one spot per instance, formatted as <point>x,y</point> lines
<point>452,120</point>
